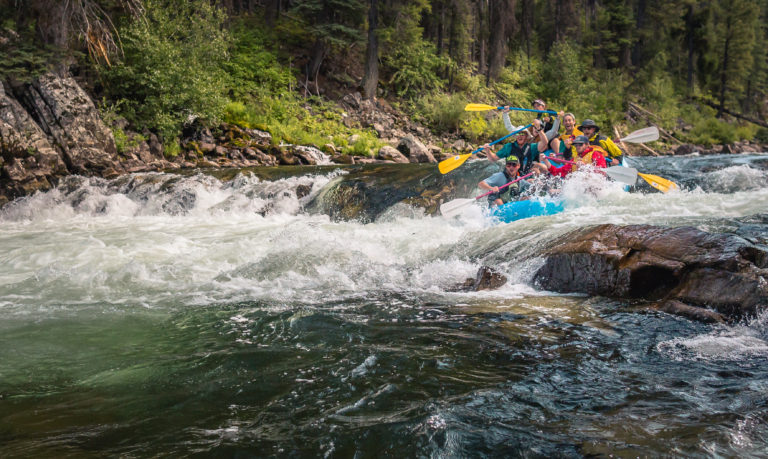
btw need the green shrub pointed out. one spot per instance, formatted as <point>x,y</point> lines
<point>710,131</point>
<point>442,112</point>
<point>761,135</point>
<point>253,70</point>
<point>173,66</point>
<point>415,69</point>
<point>367,145</point>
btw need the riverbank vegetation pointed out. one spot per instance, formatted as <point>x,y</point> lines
<point>698,69</point>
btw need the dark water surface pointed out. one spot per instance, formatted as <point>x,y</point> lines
<point>132,328</point>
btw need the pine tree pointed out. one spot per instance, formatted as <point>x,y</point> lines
<point>735,23</point>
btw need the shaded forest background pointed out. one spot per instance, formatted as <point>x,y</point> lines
<point>696,68</point>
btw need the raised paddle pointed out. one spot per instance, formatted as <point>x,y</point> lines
<point>452,208</point>
<point>447,165</point>
<point>648,134</point>
<point>484,107</point>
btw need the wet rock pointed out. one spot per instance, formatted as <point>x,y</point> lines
<point>155,147</point>
<point>303,190</point>
<point>284,157</point>
<point>260,137</point>
<point>486,279</point>
<point>343,159</point>
<point>720,271</point>
<point>691,312</point>
<point>308,155</point>
<point>685,149</point>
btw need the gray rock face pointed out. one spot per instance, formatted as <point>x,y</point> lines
<point>67,114</point>
<point>29,160</point>
<point>723,272</point>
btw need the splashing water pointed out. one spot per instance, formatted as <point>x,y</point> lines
<point>160,314</point>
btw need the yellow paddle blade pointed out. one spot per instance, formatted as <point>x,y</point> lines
<point>447,165</point>
<point>660,183</point>
<point>479,107</point>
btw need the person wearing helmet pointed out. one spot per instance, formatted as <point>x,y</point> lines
<point>591,130</point>
<point>509,193</point>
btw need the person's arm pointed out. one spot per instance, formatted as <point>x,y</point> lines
<point>492,157</point>
<point>552,133</point>
<point>542,138</point>
<point>484,186</point>
<point>561,171</point>
<point>507,122</point>
<point>611,148</point>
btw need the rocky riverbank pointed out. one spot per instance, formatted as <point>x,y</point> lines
<point>51,128</point>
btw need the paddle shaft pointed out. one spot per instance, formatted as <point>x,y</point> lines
<point>453,162</point>
<point>499,140</point>
<point>549,112</point>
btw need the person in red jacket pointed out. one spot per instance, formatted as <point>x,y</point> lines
<point>585,154</point>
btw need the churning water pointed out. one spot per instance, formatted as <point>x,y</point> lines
<point>175,315</point>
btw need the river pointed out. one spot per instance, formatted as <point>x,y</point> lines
<point>169,315</point>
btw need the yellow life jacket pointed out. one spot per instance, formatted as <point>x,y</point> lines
<point>565,136</point>
<point>606,144</point>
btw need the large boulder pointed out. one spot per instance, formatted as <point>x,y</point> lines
<point>723,272</point>
<point>66,113</point>
<point>415,150</point>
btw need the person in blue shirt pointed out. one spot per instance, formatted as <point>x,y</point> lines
<point>526,147</point>
<point>509,193</point>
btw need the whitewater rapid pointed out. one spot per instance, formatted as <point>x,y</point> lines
<point>163,314</point>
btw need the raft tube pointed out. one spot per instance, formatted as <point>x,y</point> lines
<point>517,210</point>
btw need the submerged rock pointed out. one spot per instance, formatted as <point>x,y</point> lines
<point>723,272</point>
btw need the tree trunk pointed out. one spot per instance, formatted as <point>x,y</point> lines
<point>637,49</point>
<point>565,19</point>
<point>527,18</point>
<point>371,78</point>
<point>724,68</point>
<point>440,27</point>
<point>482,58</point>
<point>318,54</point>
<point>272,11</point>
<point>689,40</point>
<point>497,39</point>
